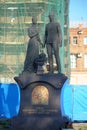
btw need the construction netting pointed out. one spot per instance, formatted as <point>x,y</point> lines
<point>15,19</point>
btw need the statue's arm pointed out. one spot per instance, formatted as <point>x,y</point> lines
<point>32,32</point>
<point>39,39</point>
<point>45,36</point>
<point>59,34</point>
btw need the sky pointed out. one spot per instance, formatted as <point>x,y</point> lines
<point>78,10</point>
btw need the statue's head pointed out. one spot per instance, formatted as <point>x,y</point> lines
<point>51,16</point>
<point>34,20</point>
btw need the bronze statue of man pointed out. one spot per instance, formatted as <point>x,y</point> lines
<point>53,40</point>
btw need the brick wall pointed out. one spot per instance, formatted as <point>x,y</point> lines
<point>78,74</point>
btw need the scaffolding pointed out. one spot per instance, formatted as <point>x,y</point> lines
<point>15,19</point>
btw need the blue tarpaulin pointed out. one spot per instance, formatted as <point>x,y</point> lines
<point>9,100</point>
<point>74,102</point>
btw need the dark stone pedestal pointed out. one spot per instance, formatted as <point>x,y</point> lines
<point>40,102</point>
<point>37,123</point>
<point>54,80</point>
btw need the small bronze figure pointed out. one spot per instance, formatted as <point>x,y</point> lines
<point>33,47</point>
<point>53,40</point>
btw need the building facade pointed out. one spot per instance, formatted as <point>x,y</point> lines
<point>78,52</point>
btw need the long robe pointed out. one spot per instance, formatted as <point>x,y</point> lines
<point>32,49</point>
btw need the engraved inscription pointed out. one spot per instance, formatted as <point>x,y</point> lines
<point>40,111</point>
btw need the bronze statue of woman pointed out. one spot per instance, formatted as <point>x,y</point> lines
<point>33,47</point>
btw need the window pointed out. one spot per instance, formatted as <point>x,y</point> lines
<point>85,40</point>
<point>73,58</point>
<point>74,40</point>
<point>85,61</point>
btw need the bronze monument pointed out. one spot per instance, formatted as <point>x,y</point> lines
<point>53,40</point>
<point>40,92</point>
